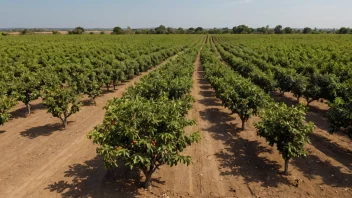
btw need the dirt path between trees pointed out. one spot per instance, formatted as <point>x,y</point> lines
<point>38,160</point>
<point>229,162</point>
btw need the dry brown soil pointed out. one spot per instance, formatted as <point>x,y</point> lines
<point>38,159</point>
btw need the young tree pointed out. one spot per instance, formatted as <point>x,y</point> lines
<point>285,127</point>
<point>243,98</point>
<point>28,88</point>
<point>93,87</point>
<point>145,134</point>
<point>299,86</point>
<point>284,78</point>
<point>62,102</point>
<point>103,76</point>
<point>313,90</point>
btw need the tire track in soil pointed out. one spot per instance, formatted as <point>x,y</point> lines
<point>29,162</point>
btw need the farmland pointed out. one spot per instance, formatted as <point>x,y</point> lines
<point>181,115</point>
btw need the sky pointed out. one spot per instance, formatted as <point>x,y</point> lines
<point>174,13</point>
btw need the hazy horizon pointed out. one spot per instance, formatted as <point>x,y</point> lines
<point>106,14</point>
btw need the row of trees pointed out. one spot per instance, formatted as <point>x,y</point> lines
<point>146,127</point>
<point>308,83</point>
<point>279,29</point>
<point>241,29</point>
<point>311,86</point>
<point>159,30</point>
<point>282,126</point>
<point>61,87</point>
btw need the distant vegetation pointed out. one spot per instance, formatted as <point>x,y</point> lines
<point>77,30</point>
<point>241,29</point>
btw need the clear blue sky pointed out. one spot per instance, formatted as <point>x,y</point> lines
<point>174,13</point>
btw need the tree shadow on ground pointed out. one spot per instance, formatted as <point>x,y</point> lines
<point>293,101</point>
<point>90,179</point>
<point>312,166</point>
<point>105,91</point>
<point>314,114</point>
<point>240,157</point>
<point>23,112</point>
<point>332,149</point>
<point>87,102</point>
<point>247,153</point>
<point>45,130</point>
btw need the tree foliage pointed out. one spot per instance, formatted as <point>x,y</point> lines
<point>77,30</point>
<point>145,134</point>
<point>285,127</point>
<point>160,30</point>
<point>6,103</point>
<point>118,30</point>
<point>236,93</point>
<point>278,29</point>
<point>28,87</point>
<point>62,102</point>
<point>145,128</point>
<point>340,116</point>
<point>307,30</point>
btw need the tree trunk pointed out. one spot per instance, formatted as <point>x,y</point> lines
<point>243,125</point>
<point>308,102</point>
<point>298,99</point>
<point>65,121</point>
<point>148,172</point>
<point>107,87</point>
<point>28,108</point>
<point>286,167</point>
<point>148,179</point>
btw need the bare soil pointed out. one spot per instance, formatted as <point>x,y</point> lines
<point>38,159</point>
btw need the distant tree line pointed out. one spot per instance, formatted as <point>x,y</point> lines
<point>241,29</point>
